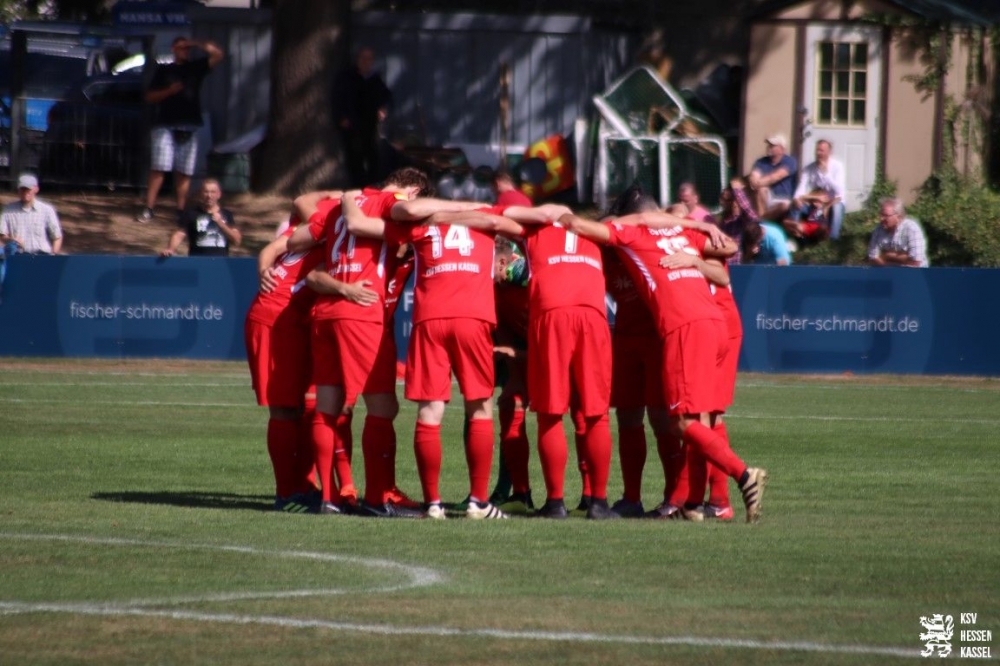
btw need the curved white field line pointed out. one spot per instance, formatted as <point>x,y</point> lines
<point>418,577</point>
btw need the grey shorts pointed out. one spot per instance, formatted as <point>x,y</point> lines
<point>169,154</point>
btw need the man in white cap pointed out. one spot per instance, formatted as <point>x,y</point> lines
<point>772,179</point>
<point>28,224</point>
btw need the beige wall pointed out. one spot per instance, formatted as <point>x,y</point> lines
<point>770,89</point>
<point>909,127</point>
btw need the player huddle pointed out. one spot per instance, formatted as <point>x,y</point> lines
<point>324,318</point>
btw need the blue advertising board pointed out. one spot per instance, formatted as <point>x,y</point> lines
<point>886,320</point>
<point>795,319</point>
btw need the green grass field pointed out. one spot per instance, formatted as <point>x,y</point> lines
<point>135,529</point>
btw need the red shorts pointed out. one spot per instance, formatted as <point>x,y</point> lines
<point>279,361</point>
<point>359,356</point>
<point>636,371</point>
<point>438,346</point>
<point>727,371</point>
<point>569,356</point>
<point>692,358</point>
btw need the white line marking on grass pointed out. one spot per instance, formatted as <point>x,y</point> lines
<point>131,403</point>
<point>872,419</point>
<point>450,632</point>
<point>415,576</point>
<point>418,576</point>
<point>234,384</point>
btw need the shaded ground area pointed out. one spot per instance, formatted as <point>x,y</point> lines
<point>104,222</point>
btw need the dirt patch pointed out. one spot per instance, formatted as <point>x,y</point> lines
<point>104,222</point>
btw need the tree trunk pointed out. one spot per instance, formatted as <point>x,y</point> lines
<point>301,151</point>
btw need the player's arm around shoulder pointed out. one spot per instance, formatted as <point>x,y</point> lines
<point>358,223</point>
<point>589,229</point>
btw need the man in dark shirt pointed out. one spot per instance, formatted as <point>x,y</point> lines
<point>360,102</point>
<point>209,229</point>
<point>175,91</point>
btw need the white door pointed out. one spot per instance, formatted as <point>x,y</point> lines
<point>843,89</point>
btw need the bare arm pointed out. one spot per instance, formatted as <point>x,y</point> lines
<point>418,209</point>
<point>175,242</point>
<point>215,54</point>
<point>712,269</point>
<point>358,223</point>
<point>229,231</point>
<point>306,204</point>
<point>595,231</point>
<point>663,220</point>
<point>544,214</point>
<point>358,292</point>
<point>478,220</point>
<point>301,239</point>
<point>265,262</point>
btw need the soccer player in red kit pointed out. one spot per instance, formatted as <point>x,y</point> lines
<point>352,354</point>
<point>276,333</point>
<point>569,353</point>
<point>453,318</point>
<point>511,346</point>
<point>694,336</point>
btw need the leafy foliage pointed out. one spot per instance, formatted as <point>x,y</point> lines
<point>958,213</point>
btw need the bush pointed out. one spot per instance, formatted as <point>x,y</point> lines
<point>959,216</point>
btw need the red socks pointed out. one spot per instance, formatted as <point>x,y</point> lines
<point>714,448</point>
<point>718,482</point>
<point>378,446</point>
<point>632,453</point>
<point>597,451</point>
<point>515,447</point>
<point>322,437</point>
<point>479,457</point>
<point>552,450</point>
<point>427,448</point>
<point>282,445</point>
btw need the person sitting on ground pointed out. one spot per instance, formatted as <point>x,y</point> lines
<point>29,225</point>
<point>822,186</point>
<point>772,179</point>
<point>208,228</point>
<point>765,244</point>
<point>898,240</point>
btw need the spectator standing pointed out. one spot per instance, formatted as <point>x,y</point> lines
<point>209,229</point>
<point>175,92</point>
<point>898,240</point>
<point>361,101</point>
<point>688,195</point>
<point>772,179</point>
<point>30,225</point>
<point>823,183</point>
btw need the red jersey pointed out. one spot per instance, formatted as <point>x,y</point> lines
<point>632,315</point>
<point>513,198</point>
<point>352,258</point>
<point>675,297</point>
<point>400,270</point>
<point>730,312</point>
<point>454,270</point>
<point>290,270</point>
<point>566,270</point>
